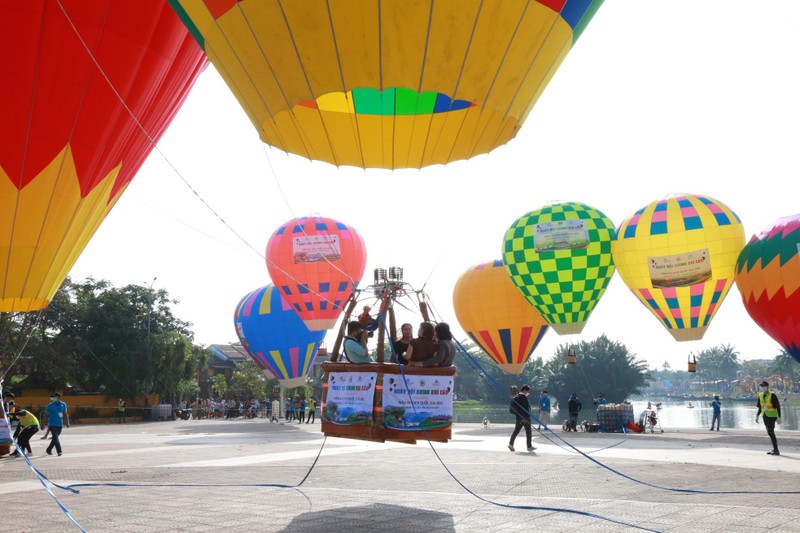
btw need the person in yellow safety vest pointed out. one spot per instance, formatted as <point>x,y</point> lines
<point>770,407</point>
<point>121,411</point>
<point>29,425</point>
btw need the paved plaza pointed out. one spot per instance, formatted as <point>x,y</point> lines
<point>214,475</point>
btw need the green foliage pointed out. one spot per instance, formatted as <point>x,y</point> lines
<point>602,366</point>
<point>247,382</point>
<point>719,363</point>
<point>482,384</point>
<point>219,385</point>
<point>97,337</point>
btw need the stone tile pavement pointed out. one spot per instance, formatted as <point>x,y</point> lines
<point>214,475</point>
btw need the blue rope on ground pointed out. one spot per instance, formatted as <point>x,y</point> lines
<point>508,505</point>
<point>497,388</point>
<point>273,485</point>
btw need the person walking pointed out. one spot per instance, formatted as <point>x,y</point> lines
<point>716,405</point>
<point>57,419</point>
<point>522,409</point>
<point>770,407</point>
<point>544,410</point>
<point>574,407</point>
<point>30,425</point>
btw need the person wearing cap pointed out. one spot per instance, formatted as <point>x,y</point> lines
<point>716,406</point>
<point>544,410</point>
<point>30,425</point>
<point>57,419</point>
<point>770,407</point>
<point>522,409</point>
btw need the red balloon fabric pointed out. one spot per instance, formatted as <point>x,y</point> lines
<point>768,278</point>
<point>316,263</point>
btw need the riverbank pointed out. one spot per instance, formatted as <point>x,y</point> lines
<point>214,474</point>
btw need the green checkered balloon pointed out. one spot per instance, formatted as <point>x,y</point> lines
<point>559,256</point>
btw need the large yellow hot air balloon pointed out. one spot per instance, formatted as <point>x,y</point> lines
<point>386,83</point>
<point>678,256</point>
<point>496,316</point>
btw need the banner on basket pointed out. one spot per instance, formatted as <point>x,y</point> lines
<point>350,398</point>
<point>5,432</point>
<point>432,398</point>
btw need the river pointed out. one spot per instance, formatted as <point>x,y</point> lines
<point>673,414</point>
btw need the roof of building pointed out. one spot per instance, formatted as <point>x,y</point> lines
<point>234,353</point>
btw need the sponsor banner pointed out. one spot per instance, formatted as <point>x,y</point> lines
<point>432,398</point>
<point>560,235</point>
<point>5,432</point>
<point>316,248</point>
<point>680,270</point>
<point>350,398</point>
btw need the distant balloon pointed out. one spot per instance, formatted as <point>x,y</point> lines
<point>316,263</point>
<point>387,84</point>
<point>768,278</point>
<point>677,255</point>
<point>496,316</point>
<point>559,256</point>
<point>275,337</point>
<point>69,146</point>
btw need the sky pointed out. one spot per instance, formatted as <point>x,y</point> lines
<point>655,98</point>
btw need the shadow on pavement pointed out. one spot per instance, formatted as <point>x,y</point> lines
<point>376,517</point>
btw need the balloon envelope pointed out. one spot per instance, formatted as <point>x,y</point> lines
<point>768,278</point>
<point>275,337</point>
<point>677,255</point>
<point>68,146</point>
<point>316,263</point>
<point>496,316</point>
<point>559,256</point>
<point>388,84</point>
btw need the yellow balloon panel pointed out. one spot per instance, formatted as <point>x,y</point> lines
<point>678,256</point>
<point>490,59</point>
<point>496,316</point>
<point>45,227</point>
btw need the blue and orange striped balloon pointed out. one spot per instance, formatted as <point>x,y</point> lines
<point>275,337</point>
<point>496,316</point>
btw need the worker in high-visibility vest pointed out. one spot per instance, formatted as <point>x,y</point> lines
<point>30,425</point>
<point>770,407</point>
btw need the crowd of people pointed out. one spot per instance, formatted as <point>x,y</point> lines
<point>432,347</point>
<point>295,409</point>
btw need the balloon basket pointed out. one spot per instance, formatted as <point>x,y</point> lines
<point>373,427</point>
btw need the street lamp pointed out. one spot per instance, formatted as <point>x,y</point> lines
<point>149,345</point>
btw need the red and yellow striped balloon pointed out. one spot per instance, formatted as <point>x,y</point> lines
<point>68,146</point>
<point>768,278</point>
<point>496,316</point>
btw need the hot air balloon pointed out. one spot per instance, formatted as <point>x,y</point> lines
<point>677,255</point>
<point>388,83</point>
<point>496,316</point>
<point>768,278</point>
<point>559,256</point>
<point>316,263</point>
<point>68,145</point>
<point>275,337</point>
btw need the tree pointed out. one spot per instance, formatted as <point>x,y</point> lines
<point>479,378</point>
<point>603,366</point>
<point>219,385</point>
<point>247,381</point>
<point>121,341</point>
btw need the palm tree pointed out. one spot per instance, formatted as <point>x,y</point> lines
<point>785,365</point>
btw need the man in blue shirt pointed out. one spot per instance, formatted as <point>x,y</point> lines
<point>716,405</point>
<point>544,410</point>
<point>57,419</point>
